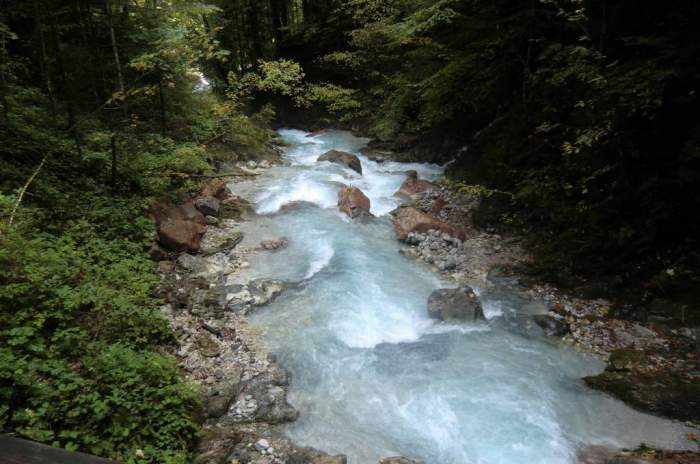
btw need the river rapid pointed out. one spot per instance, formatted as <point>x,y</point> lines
<point>372,375</point>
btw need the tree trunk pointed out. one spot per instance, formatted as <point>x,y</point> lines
<point>67,87</point>
<point>161,98</point>
<point>113,145</point>
<point>115,49</point>
<point>43,60</point>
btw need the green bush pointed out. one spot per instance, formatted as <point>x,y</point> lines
<point>79,360</point>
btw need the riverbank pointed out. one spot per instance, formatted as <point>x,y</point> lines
<point>245,390</point>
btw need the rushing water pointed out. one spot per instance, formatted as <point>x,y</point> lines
<point>373,376</point>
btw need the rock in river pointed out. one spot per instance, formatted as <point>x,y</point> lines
<point>455,303</point>
<point>340,157</point>
<point>399,460</point>
<point>353,202</point>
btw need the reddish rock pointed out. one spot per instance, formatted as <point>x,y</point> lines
<point>181,235</point>
<point>407,220</point>
<point>437,207</point>
<point>353,202</point>
<point>163,211</point>
<point>412,187</point>
<point>215,188</point>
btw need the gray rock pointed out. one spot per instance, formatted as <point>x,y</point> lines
<point>262,445</point>
<point>219,397</point>
<point>207,346</point>
<point>211,220</point>
<point>340,157</point>
<point>209,206</point>
<point>450,264</point>
<point>265,291</point>
<point>251,164</point>
<point>190,263</point>
<point>213,245</point>
<point>455,303</point>
<point>552,327</point>
<point>269,396</point>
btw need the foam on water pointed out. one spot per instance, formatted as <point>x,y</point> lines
<point>373,376</point>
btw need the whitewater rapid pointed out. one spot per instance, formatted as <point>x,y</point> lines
<point>372,375</point>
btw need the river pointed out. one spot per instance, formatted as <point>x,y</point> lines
<point>372,375</point>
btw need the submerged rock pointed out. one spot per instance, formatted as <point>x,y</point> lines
<point>275,244</point>
<point>400,460</point>
<point>455,303</point>
<point>294,206</point>
<point>340,157</point>
<point>353,202</point>
<point>407,220</point>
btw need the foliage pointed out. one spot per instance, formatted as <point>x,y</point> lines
<point>582,110</point>
<point>77,366</point>
<point>104,103</point>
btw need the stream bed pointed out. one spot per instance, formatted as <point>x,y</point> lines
<point>372,375</point>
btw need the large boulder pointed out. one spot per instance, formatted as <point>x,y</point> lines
<point>455,303</point>
<point>234,208</point>
<point>662,392</point>
<point>353,202</point>
<point>407,220</point>
<point>340,157</point>
<point>163,211</point>
<point>180,235</point>
<point>413,187</point>
<point>209,206</point>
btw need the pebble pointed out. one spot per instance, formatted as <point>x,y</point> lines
<point>262,445</point>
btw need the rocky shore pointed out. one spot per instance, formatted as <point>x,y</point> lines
<point>244,389</point>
